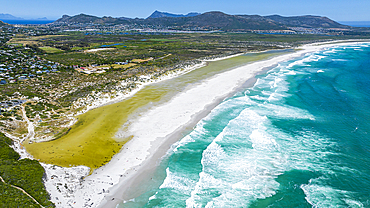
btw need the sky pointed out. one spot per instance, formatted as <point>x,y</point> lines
<point>339,10</point>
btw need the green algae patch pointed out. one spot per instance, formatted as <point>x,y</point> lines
<point>91,141</point>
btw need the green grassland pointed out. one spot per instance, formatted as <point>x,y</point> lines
<point>49,49</point>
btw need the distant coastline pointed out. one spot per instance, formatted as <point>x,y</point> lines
<point>27,22</point>
<point>356,23</point>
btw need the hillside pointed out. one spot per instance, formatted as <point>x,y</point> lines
<point>84,18</point>
<point>306,21</point>
<point>222,21</point>
<point>212,21</point>
<point>158,14</point>
<point>9,17</point>
<point>81,18</point>
<point>2,23</point>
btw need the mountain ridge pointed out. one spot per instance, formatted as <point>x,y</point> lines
<point>84,18</point>
<point>9,17</point>
<point>158,14</point>
<point>213,20</point>
<point>311,20</point>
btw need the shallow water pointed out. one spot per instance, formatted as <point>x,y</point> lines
<point>297,138</point>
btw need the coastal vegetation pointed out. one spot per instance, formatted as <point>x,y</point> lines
<point>21,182</point>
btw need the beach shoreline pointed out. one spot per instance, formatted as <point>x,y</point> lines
<point>125,189</point>
<point>101,101</point>
<point>112,183</point>
<point>70,177</point>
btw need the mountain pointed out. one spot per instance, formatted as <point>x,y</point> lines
<point>9,17</point>
<point>211,21</point>
<point>81,18</point>
<point>215,21</point>
<point>158,14</point>
<point>124,18</point>
<point>306,21</point>
<point>84,18</point>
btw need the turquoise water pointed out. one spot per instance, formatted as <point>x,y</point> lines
<point>297,138</point>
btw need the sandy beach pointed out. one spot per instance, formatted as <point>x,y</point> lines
<point>98,49</point>
<point>154,132</point>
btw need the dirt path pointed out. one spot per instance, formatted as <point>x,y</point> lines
<point>30,128</point>
<point>1,178</point>
<point>30,134</point>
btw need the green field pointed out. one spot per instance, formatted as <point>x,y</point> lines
<point>49,49</point>
<point>163,40</point>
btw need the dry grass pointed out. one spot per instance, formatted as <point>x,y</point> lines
<point>30,40</point>
<point>141,60</point>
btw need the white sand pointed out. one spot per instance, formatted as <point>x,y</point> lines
<point>64,184</point>
<point>153,129</point>
<point>98,49</point>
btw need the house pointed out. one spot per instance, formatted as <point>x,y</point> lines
<point>121,63</point>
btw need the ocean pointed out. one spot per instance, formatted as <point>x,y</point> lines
<point>356,23</point>
<point>297,138</point>
<point>27,22</point>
